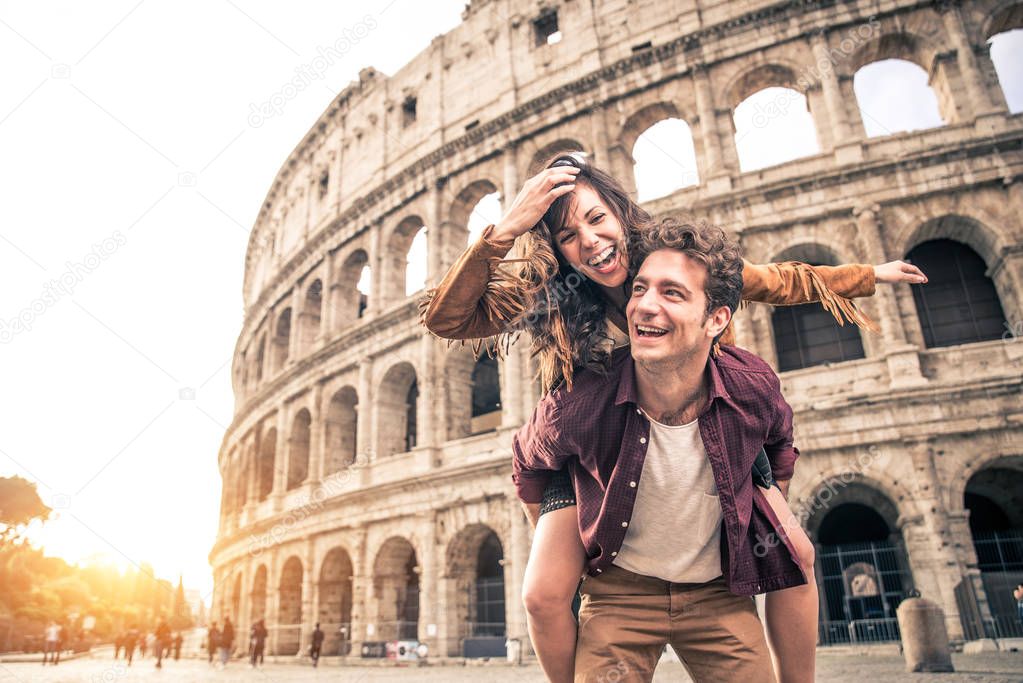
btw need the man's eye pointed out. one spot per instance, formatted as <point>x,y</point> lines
<point>637,289</point>
<point>674,293</point>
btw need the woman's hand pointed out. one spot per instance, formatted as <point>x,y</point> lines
<point>532,202</point>
<point>899,271</point>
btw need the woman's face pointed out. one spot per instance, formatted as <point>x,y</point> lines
<point>592,239</point>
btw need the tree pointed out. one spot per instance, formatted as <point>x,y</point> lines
<point>19,505</point>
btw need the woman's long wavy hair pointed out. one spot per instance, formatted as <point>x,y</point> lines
<point>565,313</point>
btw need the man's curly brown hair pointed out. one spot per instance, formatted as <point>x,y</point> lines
<point>702,242</point>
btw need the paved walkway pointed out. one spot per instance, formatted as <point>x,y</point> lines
<point>999,667</point>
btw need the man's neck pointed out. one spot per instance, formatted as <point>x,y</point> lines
<point>673,393</point>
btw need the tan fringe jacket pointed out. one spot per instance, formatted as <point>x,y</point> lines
<point>469,302</point>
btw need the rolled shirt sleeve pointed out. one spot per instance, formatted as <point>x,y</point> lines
<point>779,447</point>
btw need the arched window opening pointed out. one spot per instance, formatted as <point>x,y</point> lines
<point>959,304</point>
<point>486,211</point>
<point>773,126</point>
<point>894,97</point>
<point>282,340</point>
<point>1007,56</point>
<point>665,157</point>
<point>486,395</point>
<point>415,264</point>
<point>298,457</point>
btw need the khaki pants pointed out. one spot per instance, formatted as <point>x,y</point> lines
<point>626,619</point>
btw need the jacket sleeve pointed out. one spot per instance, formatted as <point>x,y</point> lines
<point>471,302</point>
<point>792,282</point>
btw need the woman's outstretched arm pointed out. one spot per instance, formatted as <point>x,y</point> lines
<point>469,303</point>
<point>793,282</point>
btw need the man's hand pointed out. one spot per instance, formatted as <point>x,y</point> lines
<point>532,511</point>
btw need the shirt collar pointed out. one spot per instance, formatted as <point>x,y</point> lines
<point>628,392</point>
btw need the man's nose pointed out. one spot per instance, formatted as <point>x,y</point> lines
<point>647,304</point>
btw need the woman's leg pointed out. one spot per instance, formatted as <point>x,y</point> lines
<point>792,613</point>
<point>555,566</point>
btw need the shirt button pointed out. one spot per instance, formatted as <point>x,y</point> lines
<point>614,553</point>
<point>642,439</point>
<point>632,484</point>
<point>638,411</point>
<point>599,570</point>
<point>624,524</point>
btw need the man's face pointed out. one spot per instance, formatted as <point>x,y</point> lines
<point>667,310</point>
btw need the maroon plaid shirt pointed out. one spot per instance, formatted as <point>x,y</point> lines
<point>599,433</point>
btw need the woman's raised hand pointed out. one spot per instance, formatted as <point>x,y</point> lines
<point>899,271</point>
<point>533,200</point>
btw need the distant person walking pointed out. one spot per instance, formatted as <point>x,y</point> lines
<point>51,645</point>
<point>118,643</point>
<point>161,641</point>
<point>178,642</point>
<point>314,649</point>
<point>258,641</point>
<point>1018,594</point>
<point>130,640</point>
<point>226,641</point>
<point>212,639</point>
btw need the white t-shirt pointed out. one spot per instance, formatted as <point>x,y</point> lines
<point>674,532</point>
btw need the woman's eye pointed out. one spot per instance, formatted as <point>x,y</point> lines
<point>565,237</point>
<point>599,217</point>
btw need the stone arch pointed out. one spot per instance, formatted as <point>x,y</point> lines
<point>805,336</point>
<point>769,103</point>
<point>465,202</point>
<point>658,136</point>
<point>267,463</point>
<point>396,574</point>
<point>861,562</point>
<point>257,598</point>
<point>959,227</point>
<point>397,408</point>
<point>348,301</point>
<point>486,394</point>
<point>899,45</point>
<point>993,495</point>
<point>335,601</point>
<point>298,448</point>
<point>281,340</point>
<point>475,582</point>
<point>1003,33</point>
<point>1006,16</point>
<point>309,318</point>
<point>289,610</point>
<point>396,258</point>
<point>341,430</point>
<point>758,77</point>
<point>544,151</point>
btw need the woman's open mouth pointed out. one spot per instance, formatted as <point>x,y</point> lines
<point>604,262</point>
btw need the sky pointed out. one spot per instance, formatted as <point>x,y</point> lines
<point>132,173</point>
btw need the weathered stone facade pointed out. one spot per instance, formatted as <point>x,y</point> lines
<point>357,472</point>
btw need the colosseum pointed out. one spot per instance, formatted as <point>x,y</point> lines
<point>367,468</point>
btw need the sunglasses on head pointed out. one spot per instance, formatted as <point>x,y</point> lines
<point>575,160</point>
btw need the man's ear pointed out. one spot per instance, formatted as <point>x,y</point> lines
<point>718,321</point>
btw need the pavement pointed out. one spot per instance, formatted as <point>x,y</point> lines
<point>832,667</point>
